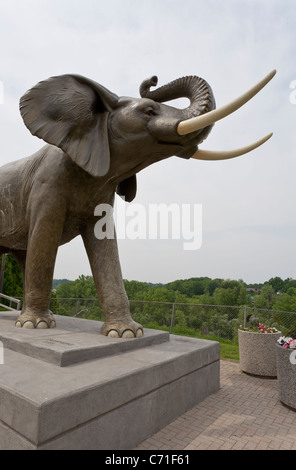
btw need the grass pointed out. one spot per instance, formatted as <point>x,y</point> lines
<point>228,349</point>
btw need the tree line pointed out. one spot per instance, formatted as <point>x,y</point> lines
<point>275,294</point>
<point>199,306</point>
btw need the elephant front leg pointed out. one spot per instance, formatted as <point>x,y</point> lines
<point>105,265</point>
<point>40,261</point>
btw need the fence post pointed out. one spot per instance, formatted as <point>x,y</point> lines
<point>172,319</point>
<point>77,308</point>
<point>245,317</point>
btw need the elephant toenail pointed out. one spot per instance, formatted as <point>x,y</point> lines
<point>29,325</point>
<point>42,325</point>
<point>128,334</point>
<point>113,334</point>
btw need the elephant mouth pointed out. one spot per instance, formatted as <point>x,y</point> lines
<point>174,144</point>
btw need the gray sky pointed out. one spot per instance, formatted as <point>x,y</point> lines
<point>249,227</point>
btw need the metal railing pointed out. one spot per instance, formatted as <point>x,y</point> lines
<point>205,320</point>
<point>11,300</point>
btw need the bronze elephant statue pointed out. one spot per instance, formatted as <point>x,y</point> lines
<point>96,142</point>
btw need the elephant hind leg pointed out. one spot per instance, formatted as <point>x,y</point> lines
<point>31,317</point>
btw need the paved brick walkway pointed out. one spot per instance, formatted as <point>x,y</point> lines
<point>245,414</point>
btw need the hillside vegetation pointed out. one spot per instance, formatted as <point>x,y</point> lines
<point>274,294</point>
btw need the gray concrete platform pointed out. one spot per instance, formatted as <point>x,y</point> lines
<point>74,340</point>
<point>72,388</point>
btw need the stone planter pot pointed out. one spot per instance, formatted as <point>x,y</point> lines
<point>257,353</point>
<point>286,373</point>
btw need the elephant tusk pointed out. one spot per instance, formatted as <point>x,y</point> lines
<point>227,154</point>
<point>199,122</point>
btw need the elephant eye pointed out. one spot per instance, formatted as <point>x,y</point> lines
<point>150,112</point>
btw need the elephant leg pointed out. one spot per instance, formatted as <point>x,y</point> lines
<point>42,248</point>
<point>105,265</point>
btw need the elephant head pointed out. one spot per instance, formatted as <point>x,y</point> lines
<point>115,137</point>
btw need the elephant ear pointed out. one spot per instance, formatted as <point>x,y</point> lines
<point>71,112</point>
<point>127,189</point>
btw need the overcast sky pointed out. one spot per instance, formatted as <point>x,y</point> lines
<point>248,203</point>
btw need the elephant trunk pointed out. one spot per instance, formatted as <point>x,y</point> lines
<point>196,89</point>
<point>201,115</point>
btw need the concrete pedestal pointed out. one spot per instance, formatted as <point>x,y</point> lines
<point>72,388</point>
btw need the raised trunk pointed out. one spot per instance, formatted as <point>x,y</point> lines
<point>197,90</point>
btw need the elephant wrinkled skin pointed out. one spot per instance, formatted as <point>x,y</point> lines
<point>96,142</point>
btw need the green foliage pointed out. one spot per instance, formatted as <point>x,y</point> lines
<point>13,281</point>
<point>288,283</point>
<point>82,288</point>
<point>286,301</point>
<point>57,282</point>
<point>276,283</point>
<point>190,287</point>
<point>265,299</point>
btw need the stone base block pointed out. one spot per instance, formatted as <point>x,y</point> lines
<point>73,389</point>
<point>286,368</point>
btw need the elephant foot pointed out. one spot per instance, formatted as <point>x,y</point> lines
<point>38,320</point>
<point>126,328</point>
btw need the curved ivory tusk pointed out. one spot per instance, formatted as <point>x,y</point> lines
<point>226,154</point>
<point>199,122</point>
